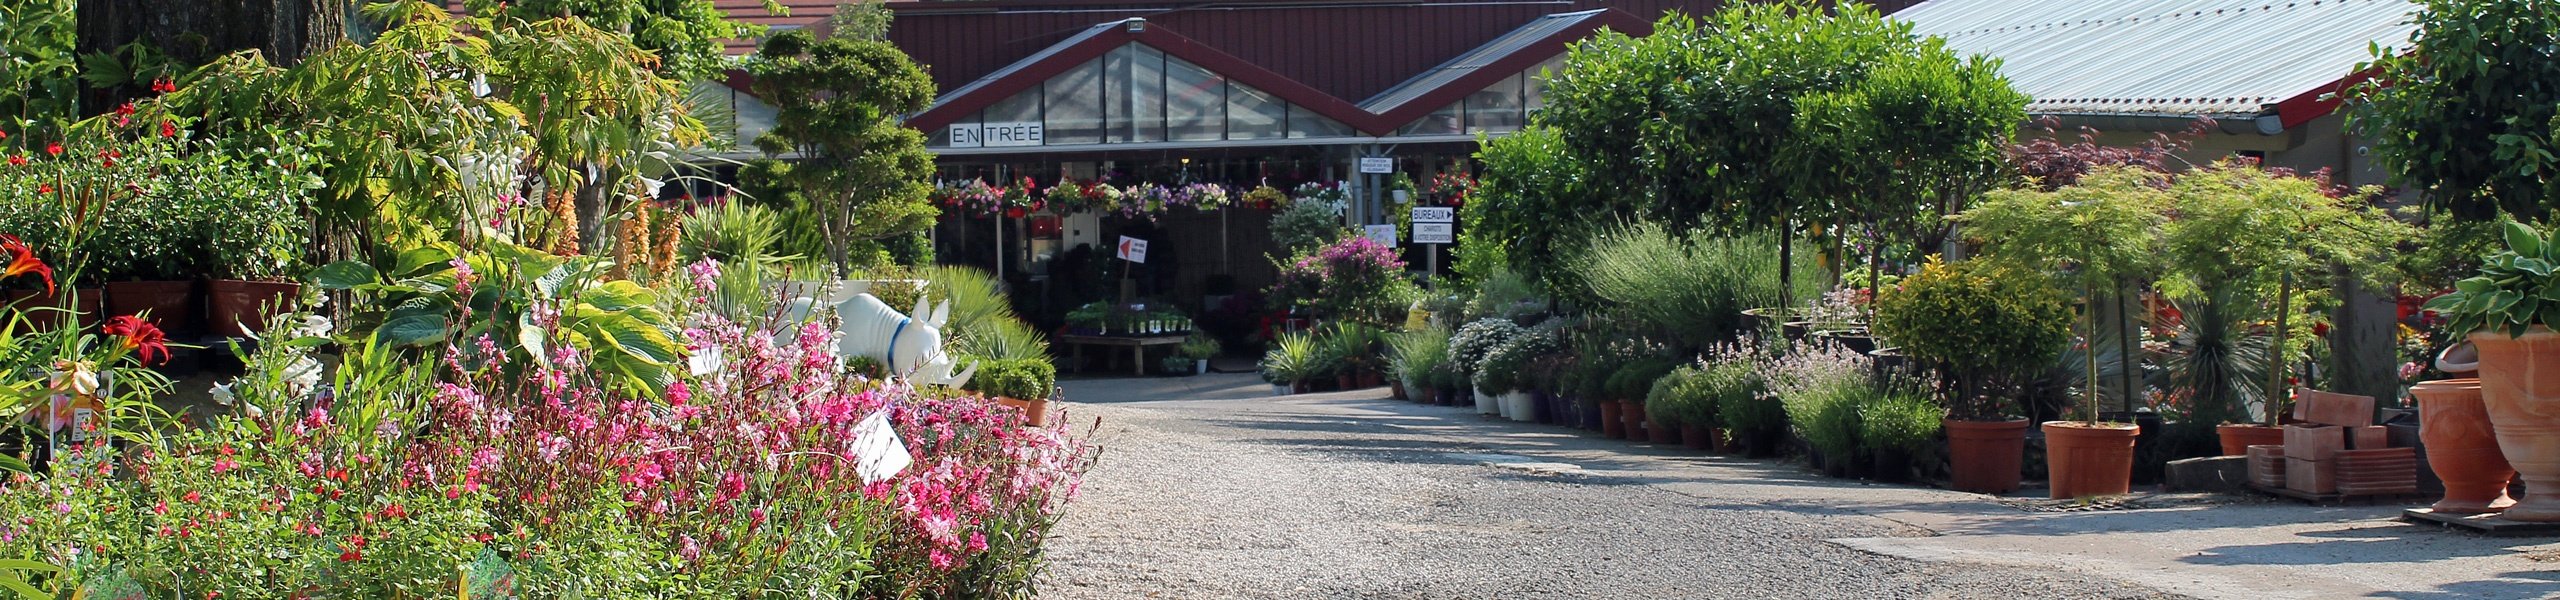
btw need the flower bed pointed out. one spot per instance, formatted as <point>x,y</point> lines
<point>477,464</point>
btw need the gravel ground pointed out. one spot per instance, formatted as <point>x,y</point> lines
<point>1213,492</point>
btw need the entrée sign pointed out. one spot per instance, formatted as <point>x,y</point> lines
<point>996,134</point>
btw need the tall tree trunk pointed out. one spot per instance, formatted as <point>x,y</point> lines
<point>192,32</point>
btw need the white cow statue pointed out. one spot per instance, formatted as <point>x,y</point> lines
<point>909,347</point>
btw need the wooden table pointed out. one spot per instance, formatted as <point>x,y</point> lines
<point>1137,345</point>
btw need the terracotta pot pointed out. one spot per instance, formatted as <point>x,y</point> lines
<point>1661,433</point>
<point>2238,437</point>
<point>1631,417</point>
<point>1612,425</point>
<point>1034,412</point>
<point>1347,381</point>
<point>172,304</point>
<point>1985,456</point>
<point>2520,385</point>
<point>233,304</point>
<point>1716,440</point>
<point>2089,460</point>
<point>1696,438</point>
<point>2461,447</point>
<point>1370,379</point>
<point>92,304</point>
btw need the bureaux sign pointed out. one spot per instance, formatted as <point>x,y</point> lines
<point>995,134</point>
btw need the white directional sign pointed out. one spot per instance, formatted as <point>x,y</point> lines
<point>1434,214</point>
<point>1133,249</point>
<point>1434,233</point>
<point>1377,164</point>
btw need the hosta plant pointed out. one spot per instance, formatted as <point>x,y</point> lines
<point>2514,290</point>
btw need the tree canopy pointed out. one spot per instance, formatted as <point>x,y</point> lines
<point>837,105</point>
<point>2469,112</point>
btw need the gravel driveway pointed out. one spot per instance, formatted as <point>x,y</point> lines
<point>1210,488</point>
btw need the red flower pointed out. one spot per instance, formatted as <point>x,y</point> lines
<point>168,129</point>
<point>350,556</point>
<point>53,148</point>
<point>22,260</point>
<point>163,85</point>
<point>143,338</point>
<point>125,111</point>
<point>1013,213</point>
<point>17,160</point>
<point>2320,329</point>
<point>192,497</point>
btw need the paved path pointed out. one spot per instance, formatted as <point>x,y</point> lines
<point>1210,488</point>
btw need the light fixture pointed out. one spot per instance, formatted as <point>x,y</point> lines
<point>1137,26</point>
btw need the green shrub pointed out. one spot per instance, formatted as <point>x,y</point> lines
<point>1200,346</point>
<point>1474,340</point>
<point>1686,397</point>
<point>1505,369</point>
<point>1690,291</point>
<point>1902,421</point>
<point>1023,379</point>
<point>1635,378</point>
<point>1303,226</point>
<point>1822,385</point>
<point>1414,355</point>
<point>1984,320</point>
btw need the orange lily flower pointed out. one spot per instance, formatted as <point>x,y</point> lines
<point>23,261</point>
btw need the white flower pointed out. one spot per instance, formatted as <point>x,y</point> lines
<point>302,376</point>
<point>315,326</point>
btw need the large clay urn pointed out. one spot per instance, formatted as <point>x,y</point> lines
<point>2461,447</point>
<point>2520,384</point>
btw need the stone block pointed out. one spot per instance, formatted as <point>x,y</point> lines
<point>2266,465</point>
<point>2331,408</point>
<point>2208,474</point>
<point>2310,476</point>
<point>2313,442</point>
<point>2369,437</point>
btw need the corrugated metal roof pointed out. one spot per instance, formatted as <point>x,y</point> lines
<point>2166,57</point>
<point>1482,56</point>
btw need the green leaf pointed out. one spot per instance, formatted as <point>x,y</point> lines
<point>2523,240</point>
<point>417,261</point>
<point>25,591</point>
<point>2476,285</point>
<point>343,274</point>
<point>412,326</point>
<point>618,296</point>
<point>2446,302</point>
<point>641,340</point>
<point>534,340</point>
<point>27,565</point>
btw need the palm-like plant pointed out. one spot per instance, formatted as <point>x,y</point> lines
<point>1291,359</point>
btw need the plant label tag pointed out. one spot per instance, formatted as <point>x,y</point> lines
<point>1384,235</point>
<point>878,454</point>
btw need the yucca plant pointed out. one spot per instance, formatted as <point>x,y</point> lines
<point>734,233</point>
<point>1413,355</point>
<point>1291,359</point>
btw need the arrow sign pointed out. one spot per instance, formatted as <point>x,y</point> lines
<point>1133,249</point>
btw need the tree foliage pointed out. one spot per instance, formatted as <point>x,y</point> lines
<point>2469,112</point>
<point>838,105</point>
<point>685,35</point>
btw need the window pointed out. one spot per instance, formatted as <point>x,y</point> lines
<point>1305,123</point>
<point>1136,93</point>
<point>1253,115</point>
<point>1074,105</point>
<point>1440,122</point>
<point>1496,107</point>
<point>1194,102</point>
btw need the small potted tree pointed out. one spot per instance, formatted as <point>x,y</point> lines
<point>1984,325</point>
<point>2099,234</point>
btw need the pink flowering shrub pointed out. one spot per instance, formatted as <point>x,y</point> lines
<point>469,466</point>
<point>1353,278</point>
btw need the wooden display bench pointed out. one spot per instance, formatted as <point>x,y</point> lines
<point>1137,345</point>
<point>2487,524</point>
